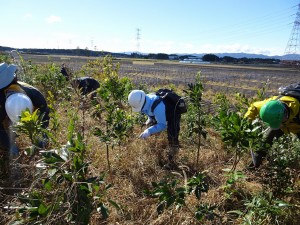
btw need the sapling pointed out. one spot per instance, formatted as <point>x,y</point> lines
<point>195,118</point>
<point>116,122</point>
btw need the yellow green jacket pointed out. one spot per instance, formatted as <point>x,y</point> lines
<point>292,125</point>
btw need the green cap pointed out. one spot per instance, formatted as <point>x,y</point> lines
<point>272,113</point>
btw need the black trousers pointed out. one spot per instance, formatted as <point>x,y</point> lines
<point>173,126</point>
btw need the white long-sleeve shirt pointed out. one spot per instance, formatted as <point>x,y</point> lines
<point>159,113</point>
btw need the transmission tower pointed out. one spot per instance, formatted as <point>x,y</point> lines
<point>292,50</point>
<point>92,44</point>
<point>138,37</point>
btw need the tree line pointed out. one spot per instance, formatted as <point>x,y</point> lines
<point>158,56</point>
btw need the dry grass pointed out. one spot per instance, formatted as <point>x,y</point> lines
<point>134,165</point>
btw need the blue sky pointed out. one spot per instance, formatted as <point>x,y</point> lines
<point>165,26</point>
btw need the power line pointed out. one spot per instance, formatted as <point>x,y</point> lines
<point>138,37</point>
<point>261,25</point>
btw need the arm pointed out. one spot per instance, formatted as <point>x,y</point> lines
<point>160,117</point>
<point>254,108</point>
<point>252,112</point>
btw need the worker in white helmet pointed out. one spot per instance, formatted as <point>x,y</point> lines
<point>15,97</point>
<point>161,117</point>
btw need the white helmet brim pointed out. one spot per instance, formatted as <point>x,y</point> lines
<point>7,74</point>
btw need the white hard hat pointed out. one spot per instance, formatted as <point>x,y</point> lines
<point>15,104</point>
<point>136,100</point>
<point>7,74</point>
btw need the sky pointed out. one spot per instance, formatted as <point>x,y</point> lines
<point>150,26</point>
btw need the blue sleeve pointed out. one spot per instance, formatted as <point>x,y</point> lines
<point>160,117</point>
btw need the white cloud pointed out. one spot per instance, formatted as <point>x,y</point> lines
<point>53,19</point>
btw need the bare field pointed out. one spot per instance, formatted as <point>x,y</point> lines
<point>226,79</point>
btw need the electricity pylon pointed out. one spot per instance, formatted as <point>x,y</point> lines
<point>138,37</point>
<point>292,50</point>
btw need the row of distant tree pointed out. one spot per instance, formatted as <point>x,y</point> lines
<point>244,60</point>
<point>210,58</point>
<point>159,56</point>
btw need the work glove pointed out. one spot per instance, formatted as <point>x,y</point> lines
<point>145,134</point>
<point>149,121</point>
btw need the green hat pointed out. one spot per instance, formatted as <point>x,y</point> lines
<point>272,113</point>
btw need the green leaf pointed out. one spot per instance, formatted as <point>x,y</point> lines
<point>47,184</point>
<point>52,172</point>
<point>104,210</point>
<point>68,176</point>
<point>42,209</point>
<point>114,204</point>
<point>230,181</point>
<point>51,157</point>
<point>199,216</point>
<point>84,187</point>
<point>108,186</point>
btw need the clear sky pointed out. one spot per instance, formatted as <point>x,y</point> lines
<point>150,26</point>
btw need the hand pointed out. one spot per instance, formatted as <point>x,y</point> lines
<point>145,134</point>
<point>149,121</point>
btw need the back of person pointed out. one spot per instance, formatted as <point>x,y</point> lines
<point>290,125</point>
<point>64,71</point>
<point>281,115</point>
<point>86,84</point>
<point>15,97</point>
<point>38,100</point>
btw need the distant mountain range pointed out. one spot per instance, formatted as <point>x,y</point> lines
<point>248,55</point>
<point>236,55</point>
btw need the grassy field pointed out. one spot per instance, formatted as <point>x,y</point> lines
<point>239,197</point>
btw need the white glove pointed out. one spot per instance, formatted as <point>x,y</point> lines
<point>145,134</point>
<point>149,120</point>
